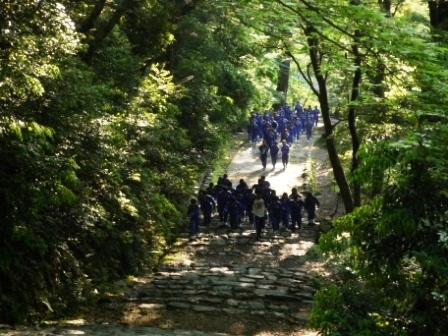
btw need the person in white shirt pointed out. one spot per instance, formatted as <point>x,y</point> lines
<point>259,210</point>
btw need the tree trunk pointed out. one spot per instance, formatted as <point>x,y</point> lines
<point>283,79</point>
<point>352,122</point>
<point>89,22</point>
<point>103,31</point>
<point>377,77</point>
<point>338,171</point>
<point>386,6</point>
<point>438,14</point>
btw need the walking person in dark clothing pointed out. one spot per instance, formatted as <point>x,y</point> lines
<point>253,132</point>
<point>276,215</point>
<point>264,149</point>
<point>242,187</point>
<point>311,202</point>
<point>296,205</point>
<point>284,135</point>
<point>309,128</point>
<point>258,186</point>
<point>212,190</point>
<point>294,192</point>
<point>267,194</point>
<point>223,198</point>
<point>233,208</point>
<point>316,113</point>
<point>264,182</point>
<point>208,205</point>
<point>284,201</point>
<point>274,153</point>
<point>193,213</point>
<point>285,154</point>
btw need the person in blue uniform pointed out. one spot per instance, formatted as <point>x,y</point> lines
<point>296,205</point>
<point>264,150</point>
<point>241,186</point>
<point>275,210</point>
<point>298,108</point>
<point>291,130</point>
<point>253,132</point>
<point>298,125</point>
<point>233,209</point>
<point>302,117</point>
<point>284,201</point>
<point>309,128</point>
<point>274,153</point>
<point>193,213</point>
<point>284,135</point>
<point>222,199</point>
<point>284,149</point>
<point>311,202</point>
<point>208,205</point>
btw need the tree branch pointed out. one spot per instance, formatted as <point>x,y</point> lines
<point>103,32</point>
<point>306,77</point>
<point>89,22</point>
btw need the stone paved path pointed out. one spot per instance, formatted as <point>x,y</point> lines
<point>222,275</point>
<point>221,272</point>
<point>233,273</point>
<point>80,328</point>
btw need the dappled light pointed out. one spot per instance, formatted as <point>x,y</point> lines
<point>230,275</point>
<point>248,166</point>
<point>123,123</point>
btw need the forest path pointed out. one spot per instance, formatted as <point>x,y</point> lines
<point>224,282</point>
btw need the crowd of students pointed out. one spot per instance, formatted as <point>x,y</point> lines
<point>279,130</point>
<point>256,204</point>
<point>285,124</point>
<point>260,203</point>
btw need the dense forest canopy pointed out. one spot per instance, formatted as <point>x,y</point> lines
<point>111,110</point>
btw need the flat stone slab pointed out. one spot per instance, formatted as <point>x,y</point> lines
<point>199,308</point>
<point>151,306</point>
<point>274,294</point>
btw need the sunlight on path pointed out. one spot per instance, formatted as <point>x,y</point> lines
<point>247,165</point>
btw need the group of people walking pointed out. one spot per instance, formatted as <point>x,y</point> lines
<point>274,151</point>
<point>279,130</point>
<point>257,204</point>
<point>285,124</point>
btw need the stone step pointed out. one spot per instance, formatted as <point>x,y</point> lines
<point>79,327</point>
<point>224,271</point>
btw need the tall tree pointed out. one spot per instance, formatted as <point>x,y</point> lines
<point>100,21</point>
<point>340,51</point>
<point>438,14</point>
<point>94,166</point>
<point>394,280</point>
<point>284,67</point>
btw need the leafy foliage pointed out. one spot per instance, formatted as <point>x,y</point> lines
<point>96,160</point>
<point>396,247</point>
<point>213,54</point>
<point>111,109</point>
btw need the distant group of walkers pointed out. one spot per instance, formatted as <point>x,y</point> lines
<point>279,129</point>
<point>285,124</point>
<point>257,204</point>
